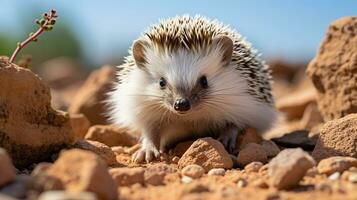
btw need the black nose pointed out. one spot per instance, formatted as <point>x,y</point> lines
<point>182,105</point>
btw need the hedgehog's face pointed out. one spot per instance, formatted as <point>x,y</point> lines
<point>183,79</point>
<point>179,97</point>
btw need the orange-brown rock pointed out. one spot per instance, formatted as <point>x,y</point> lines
<point>193,171</point>
<point>30,129</point>
<point>80,125</point>
<point>335,164</point>
<point>337,138</point>
<point>333,70</point>
<point>155,174</point>
<point>100,149</point>
<point>270,148</point>
<point>90,98</point>
<point>208,153</point>
<point>126,176</point>
<point>250,153</point>
<point>81,170</point>
<point>111,135</point>
<point>287,169</point>
<point>253,167</point>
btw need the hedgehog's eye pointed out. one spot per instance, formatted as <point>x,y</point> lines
<point>203,82</point>
<point>162,83</point>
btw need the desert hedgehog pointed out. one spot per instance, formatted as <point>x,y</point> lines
<point>190,77</point>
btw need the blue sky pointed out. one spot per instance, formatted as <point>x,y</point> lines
<point>291,30</point>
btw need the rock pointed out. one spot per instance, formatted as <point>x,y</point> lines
<point>155,174</point>
<point>7,170</point>
<point>270,148</point>
<point>207,153</point>
<point>352,177</point>
<point>241,183</point>
<point>175,159</point>
<point>111,135</point>
<point>30,129</point>
<point>294,104</point>
<point>62,195</point>
<point>334,176</point>
<point>287,169</point>
<point>80,125</point>
<point>299,138</point>
<point>81,170</point>
<point>250,135</point>
<point>253,167</point>
<point>186,179</point>
<point>126,176</point>
<point>100,149</point>
<point>337,138</point>
<point>334,164</point>
<point>333,70</point>
<point>193,171</point>
<point>250,153</point>
<point>90,98</point>
<point>217,172</point>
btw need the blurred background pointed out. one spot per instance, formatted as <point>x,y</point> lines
<point>100,32</point>
<point>90,34</point>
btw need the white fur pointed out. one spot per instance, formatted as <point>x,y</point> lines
<point>228,102</point>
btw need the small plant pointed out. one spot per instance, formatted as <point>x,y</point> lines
<point>46,23</point>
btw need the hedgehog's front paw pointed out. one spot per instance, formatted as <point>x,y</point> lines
<point>229,139</point>
<point>148,153</point>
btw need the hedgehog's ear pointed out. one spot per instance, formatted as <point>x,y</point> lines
<point>226,45</point>
<point>138,50</point>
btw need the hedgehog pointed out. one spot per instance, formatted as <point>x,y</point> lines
<point>191,77</point>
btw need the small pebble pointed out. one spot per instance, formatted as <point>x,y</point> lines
<point>270,148</point>
<point>186,179</point>
<point>352,177</point>
<point>241,183</point>
<point>217,172</point>
<point>253,167</point>
<point>194,171</point>
<point>175,159</point>
<point>334,176</point>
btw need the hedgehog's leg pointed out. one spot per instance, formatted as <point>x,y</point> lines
<point>149,150</point>
<point>228,137</point>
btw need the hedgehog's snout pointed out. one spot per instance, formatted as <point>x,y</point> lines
<point>182,105</point>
